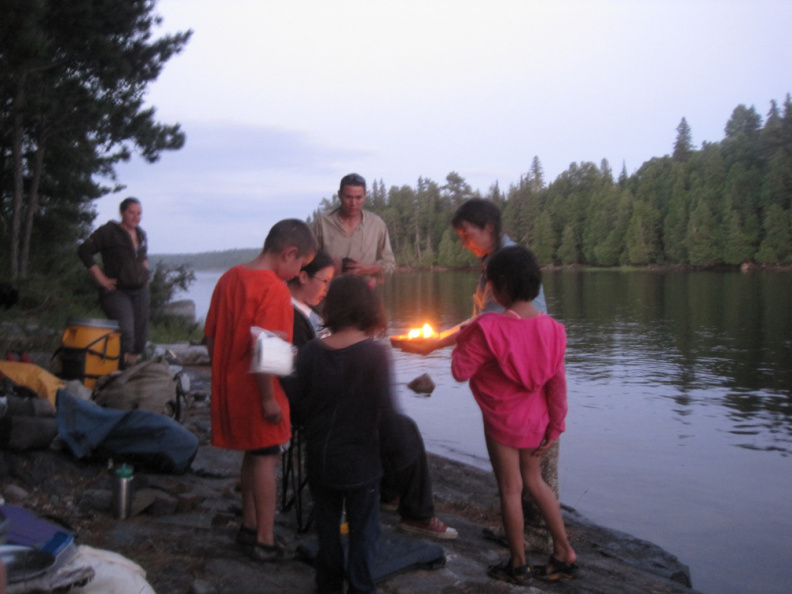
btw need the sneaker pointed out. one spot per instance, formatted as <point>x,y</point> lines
<point>504,572</point>
<point>246,537</point>
<point>390,506</point>
<point>265,552</point>
<point>433,527</point>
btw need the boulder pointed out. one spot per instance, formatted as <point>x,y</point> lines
<point>422,384</point>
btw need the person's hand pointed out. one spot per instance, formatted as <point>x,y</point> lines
<point>271,410</point>
<point>108,283</point>
<point>103,281</point>
<point>422,346</point>
<point>546,444</point>
<point>360,269</point>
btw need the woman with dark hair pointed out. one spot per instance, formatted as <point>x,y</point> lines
<point>307,291</point>
<point>124,283</point>
<point>478,225</point>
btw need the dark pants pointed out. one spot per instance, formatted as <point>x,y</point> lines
<point>362,513</point>
<point>410,482</point>
<point>130,308</point>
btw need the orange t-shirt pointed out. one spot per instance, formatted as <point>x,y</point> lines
<point>244,298</point>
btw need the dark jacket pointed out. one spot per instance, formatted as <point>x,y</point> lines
<point>341,397</point>
<point>120,259</point>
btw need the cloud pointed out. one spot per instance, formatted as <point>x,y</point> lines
<point>229,184</point>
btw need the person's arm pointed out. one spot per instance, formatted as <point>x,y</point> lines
<point>470,353</point>
<point>210,342</point>
<point>556,394</point>
<point>385,258</point>
<point>102,279</point>
<point>269,405</point>
<point>426,346</point>
<point>86,252</point>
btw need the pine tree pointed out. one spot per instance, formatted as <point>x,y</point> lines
<point>683,146</point>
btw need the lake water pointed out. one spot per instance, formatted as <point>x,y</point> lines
<point>680,407</point>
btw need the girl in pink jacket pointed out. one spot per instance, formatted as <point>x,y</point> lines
<point>515,363</point>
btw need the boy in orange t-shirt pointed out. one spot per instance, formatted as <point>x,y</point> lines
<point>250,412</point>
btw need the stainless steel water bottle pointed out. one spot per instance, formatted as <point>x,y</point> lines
<point>122,491</point>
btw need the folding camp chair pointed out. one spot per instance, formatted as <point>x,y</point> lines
<point>295,481</point>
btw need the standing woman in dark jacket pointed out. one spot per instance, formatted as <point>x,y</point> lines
<point>124,286</point>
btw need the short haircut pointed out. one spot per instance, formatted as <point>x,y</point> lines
<point>479,212</point>
<point>514,273</point>
<point>321,260</point>
<point>127,202</point>
<point>352,302</point>
<point>290,233</point>
<point>352,179</point>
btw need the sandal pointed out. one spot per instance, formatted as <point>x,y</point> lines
<point>505,572</point>
<point>555,570</point>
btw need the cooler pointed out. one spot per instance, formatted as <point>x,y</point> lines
<point>89,349</point>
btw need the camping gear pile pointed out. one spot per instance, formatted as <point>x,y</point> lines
<point>100,414</point>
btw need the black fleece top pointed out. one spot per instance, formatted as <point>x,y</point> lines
<point>341,397</point>
<point>120,259</point>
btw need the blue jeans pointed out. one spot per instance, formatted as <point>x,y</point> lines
<point>362,512</point>
<point>130,308</point>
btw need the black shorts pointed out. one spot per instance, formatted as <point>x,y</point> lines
<point>270,451</point>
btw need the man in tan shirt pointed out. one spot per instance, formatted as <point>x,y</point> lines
<point>357,239</point>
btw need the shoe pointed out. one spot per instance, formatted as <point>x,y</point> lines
<point>390,506</point>
<point>555,570</point>
<point>504,572</point>
<point>433,527</point>
<point>246,537</point>
<point>265,552</point>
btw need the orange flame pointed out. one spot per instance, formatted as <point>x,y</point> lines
<point>425,332</point>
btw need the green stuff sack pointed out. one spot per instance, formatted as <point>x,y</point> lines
<point>151,386</point>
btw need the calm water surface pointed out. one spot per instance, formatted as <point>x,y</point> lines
<point>680,407</point>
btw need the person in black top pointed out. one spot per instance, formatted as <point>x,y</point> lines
<point>124,282</point>
<point>341,395</point>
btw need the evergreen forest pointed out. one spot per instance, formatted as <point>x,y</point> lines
<point>725,203</point>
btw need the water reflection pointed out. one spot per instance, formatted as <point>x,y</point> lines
<point>703,339</point>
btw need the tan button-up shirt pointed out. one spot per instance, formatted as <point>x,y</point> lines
<point>369,243</point>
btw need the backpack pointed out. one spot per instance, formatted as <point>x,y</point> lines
<point>152,386</point>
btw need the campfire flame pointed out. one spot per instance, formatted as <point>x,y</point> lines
<point>425,332</point>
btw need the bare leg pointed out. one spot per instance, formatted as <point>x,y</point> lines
<point>259,495</point>
<point>548,504</point>
<point>506,465</point>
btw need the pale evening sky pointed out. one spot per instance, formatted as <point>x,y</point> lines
<point>280,98</point>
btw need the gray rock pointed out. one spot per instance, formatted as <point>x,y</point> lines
<point>184,308</point>
<point>188,354</point>
<point>422,384</point>
<point>202,587</point>
<point>15,493</point>
<point>95,500</point>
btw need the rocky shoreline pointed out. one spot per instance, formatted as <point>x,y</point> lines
<point>182,534</point>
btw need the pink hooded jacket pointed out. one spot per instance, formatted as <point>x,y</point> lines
<point>516,372</point>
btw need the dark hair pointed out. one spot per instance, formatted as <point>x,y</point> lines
<point>479,212</point>
<point>127,202</point>
<point>321,260</point>
<point>352,303</point>
<point>290,233</point>
<point>514,273</point>
<point>352,179</point>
